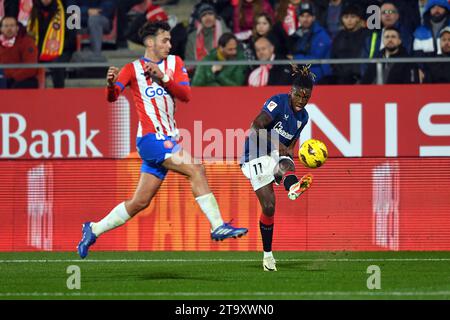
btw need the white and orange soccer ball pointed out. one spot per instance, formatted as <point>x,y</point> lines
<point>313,153</point>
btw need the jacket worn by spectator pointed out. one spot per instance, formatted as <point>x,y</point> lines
<point>348,45</point>
<point>426,42</point>
<point>207,39</point>
<point>23,51</point>
<point>438,72</point>
<point>393,73</point>
<point>230,75</point>
<point>313,44</point>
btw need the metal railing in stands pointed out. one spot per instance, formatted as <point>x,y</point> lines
<point>378,61</point>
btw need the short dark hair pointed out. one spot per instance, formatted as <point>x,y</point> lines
<point>151,29</point>
<point>303,77</point>
<point>8,17</point>
<point>393,29</point>
<point>225,38</point>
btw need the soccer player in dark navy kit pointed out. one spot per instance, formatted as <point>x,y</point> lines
<point>268,155</point>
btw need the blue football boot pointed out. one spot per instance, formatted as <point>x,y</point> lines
<point>227,231</point>
<point>88,240</point>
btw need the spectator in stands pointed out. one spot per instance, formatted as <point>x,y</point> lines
<point>390,17</point>
<point>286,16</point>
<point>348,44</point>
<point>155,13</point>
<point>55,44</point>
<point>426,37</point>
<point>16,48</point>
<point>311,41</point>
<point>98,17</point>
<point>262,27</point>
<point>206,35</point>
<point>393,73</point>
<point>439,72</point>
<point>245,13</point>
<point>223,8</point>
<point>123,7</point>
<point>222,75</point>
<point>286,23</point>
<point>266,74</point>
<point>330,15</point>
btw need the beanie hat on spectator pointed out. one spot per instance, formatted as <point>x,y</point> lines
<point>445,30</point>
<point>156,13</point>
<point>204,9</point>
<point>352,9</point>
<point>305,7</point>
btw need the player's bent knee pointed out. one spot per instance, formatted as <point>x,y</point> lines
<point>268,209</point>
<point>198,170</point>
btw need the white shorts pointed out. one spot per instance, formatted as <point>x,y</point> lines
<point>260,171</point>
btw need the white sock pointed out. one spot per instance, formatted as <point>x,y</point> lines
<point>117,217</point>
<point>268,254</point>
<point>210,208</point>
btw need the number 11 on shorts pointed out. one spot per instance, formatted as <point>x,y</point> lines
<point>256,168</point>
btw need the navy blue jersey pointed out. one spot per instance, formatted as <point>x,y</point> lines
<point>286,125</point>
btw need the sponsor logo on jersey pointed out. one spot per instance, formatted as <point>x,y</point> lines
<point>279,129</point>
<point>152,92</point>
<point>272,105</point>
<point>286,116</point>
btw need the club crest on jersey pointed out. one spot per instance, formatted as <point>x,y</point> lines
<point>299,124</point>
<point>168,144</point>
<point>272,105</point>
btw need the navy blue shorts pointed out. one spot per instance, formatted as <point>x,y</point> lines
<point>153,150</point>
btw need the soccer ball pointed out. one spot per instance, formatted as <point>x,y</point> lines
<point>313,153</point>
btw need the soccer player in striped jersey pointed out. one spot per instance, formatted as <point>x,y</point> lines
<point>268,155</point>
<point>156,80</point>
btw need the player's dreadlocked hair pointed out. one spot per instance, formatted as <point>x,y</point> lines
<point>303,77</point>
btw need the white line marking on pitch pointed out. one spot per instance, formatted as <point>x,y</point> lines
<point>198,294</point>
<point>221,260</point>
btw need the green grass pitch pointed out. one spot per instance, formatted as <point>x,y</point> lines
<point>225,275</point>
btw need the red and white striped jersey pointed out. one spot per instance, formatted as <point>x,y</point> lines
<point>154,100</point>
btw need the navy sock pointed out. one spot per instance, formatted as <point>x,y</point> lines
<point>267,235</point>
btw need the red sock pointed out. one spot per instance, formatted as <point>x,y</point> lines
<point>268,221</point>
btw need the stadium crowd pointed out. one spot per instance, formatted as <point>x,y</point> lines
<point>34,31</point>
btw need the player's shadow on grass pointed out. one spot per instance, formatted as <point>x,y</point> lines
<point>172,276</point>
<point>300,266</point>
<point>290,265</point>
